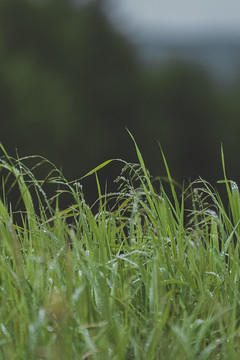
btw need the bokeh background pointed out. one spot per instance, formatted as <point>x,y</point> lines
<point>75,74</point>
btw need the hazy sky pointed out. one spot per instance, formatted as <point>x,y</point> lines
<point>176,15</point>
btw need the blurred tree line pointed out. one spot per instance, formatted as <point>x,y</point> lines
<point>70,84</point>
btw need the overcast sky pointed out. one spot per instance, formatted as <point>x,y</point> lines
<point>177,15</point>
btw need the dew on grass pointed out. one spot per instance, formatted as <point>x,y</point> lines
<point>5,331</point>
<point>234,186</point>
<point>210,294</point>
<point>78,185</point>
<point>77,293</point>
<point>197,323</point>
<point>41,315</point>
<point>134,282</point>
<point>212,273</point>
<point>211,213</point>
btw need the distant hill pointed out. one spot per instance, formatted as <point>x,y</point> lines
<point>218,53</point>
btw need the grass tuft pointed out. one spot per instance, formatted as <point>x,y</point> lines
<point>132,280</point>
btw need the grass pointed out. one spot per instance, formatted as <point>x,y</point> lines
<point>140,278</point>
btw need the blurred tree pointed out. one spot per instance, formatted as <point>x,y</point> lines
<point>228,129</point>
<point>183,110</point>
<point>72,82</point>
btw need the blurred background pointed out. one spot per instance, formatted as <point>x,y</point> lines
<point>75,74</point>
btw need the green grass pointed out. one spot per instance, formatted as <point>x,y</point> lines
<point>140,278</point>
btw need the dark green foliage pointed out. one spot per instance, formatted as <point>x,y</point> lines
<point>69,81</point>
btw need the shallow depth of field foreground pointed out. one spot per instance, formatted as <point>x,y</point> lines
<point>141,275</point>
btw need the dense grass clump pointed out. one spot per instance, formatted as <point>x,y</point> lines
<point>140,278</point>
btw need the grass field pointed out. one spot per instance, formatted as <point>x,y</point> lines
<point>140,278</point>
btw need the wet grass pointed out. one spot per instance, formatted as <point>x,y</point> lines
<point>142,278</point>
